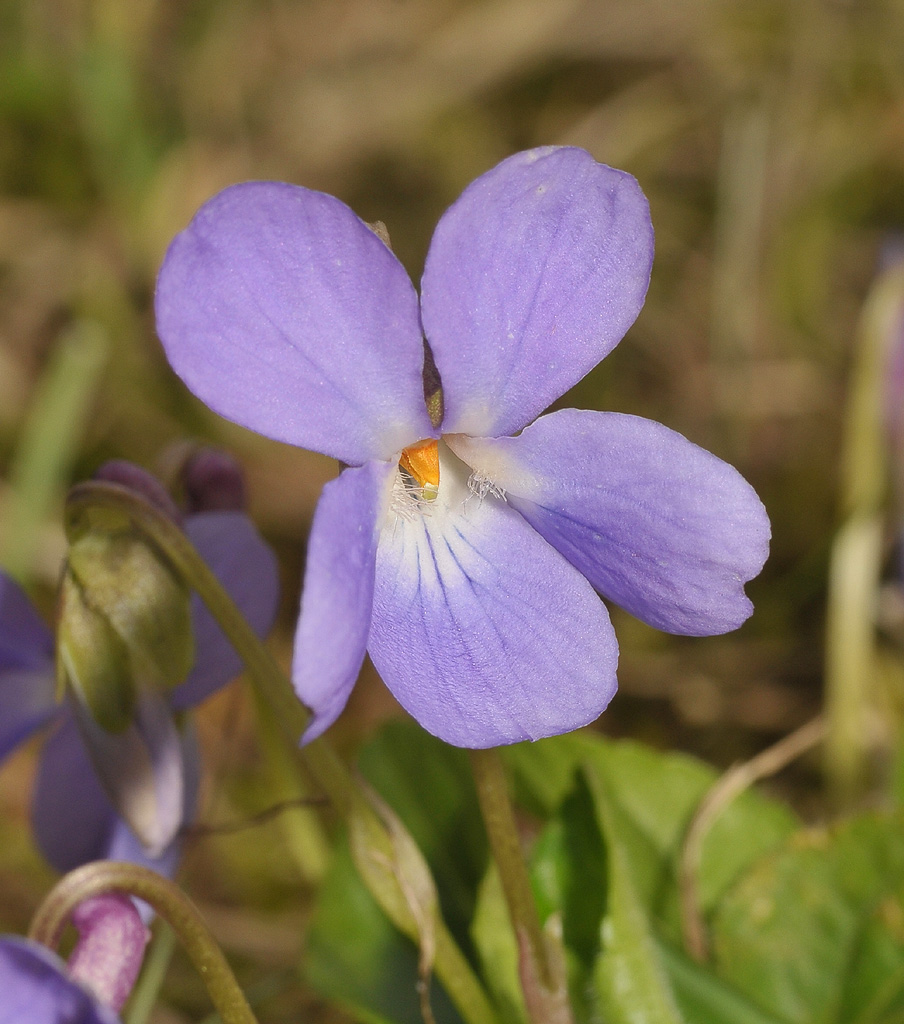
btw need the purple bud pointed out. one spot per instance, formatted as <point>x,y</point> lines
<point>213,482</point>
<point>127,474</point>
<point>110,948</point>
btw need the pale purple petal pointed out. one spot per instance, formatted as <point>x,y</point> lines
<point>25,641</point>
<point>36,990</point>
<point>337,598</point>
<point>533,275</point>
<point>483,632</point>
<point>140,768</point>
<point>284,312</point>
<point>663,528</point>
<point>27,682</point>
<point>72,817</point>
<point>123,844</point>
<point>27,702</point>
<point>246,566</point>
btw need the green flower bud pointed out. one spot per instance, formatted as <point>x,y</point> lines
<point>125,619</point>
<point>93,660</point>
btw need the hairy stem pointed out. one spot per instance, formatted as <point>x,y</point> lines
<point>540,978</point>
<point>170,903</point>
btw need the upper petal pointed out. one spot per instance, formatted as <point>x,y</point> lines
<point>533,275</point>
<point>483,632</point>
<point>246,566</point>
<point>658,525</point>
<point>337,598</point>
<point>284,312</point>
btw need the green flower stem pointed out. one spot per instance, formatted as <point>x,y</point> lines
<point>302,825</point>
<point>170,903</point>
<point>317,760</point>
<point>499,820</point>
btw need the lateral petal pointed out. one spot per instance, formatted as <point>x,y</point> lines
<point>284,312</point>
<point>659,526</point>
<point>25,641</point>
<point>533,275</point>
<point>27,702</point>
<point>337,598</point>
<point>72,817</point>
<point>36,987</point>
<point>483,632</point>
<point>246,566</point>
<point>27,682</point>
<point>140,768</point>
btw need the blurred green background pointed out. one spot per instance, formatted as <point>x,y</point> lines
<point>768,136</point>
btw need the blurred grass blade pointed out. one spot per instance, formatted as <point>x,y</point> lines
<point>856,555</point>
<point>49,442</point>
<point>854,569</point>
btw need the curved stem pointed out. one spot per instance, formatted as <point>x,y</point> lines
<point>170,903</point>
<point>318,758</point>
<point>723,791</point>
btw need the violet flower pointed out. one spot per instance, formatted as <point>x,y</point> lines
<point>74,817</point>
<point>35,987</point>
<point>467,568</point>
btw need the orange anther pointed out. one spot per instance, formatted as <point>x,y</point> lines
<point>421,461</point>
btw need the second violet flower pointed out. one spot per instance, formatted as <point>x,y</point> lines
<point>462,545</point>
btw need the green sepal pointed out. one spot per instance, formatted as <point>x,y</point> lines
<point>93,660</point>
<point>130,584</point>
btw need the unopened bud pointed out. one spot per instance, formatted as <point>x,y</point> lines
<point>127,474</point>
<point>213,482</point>
<point>94,661</point>
<point>110,949</point>
<point>126,581</point>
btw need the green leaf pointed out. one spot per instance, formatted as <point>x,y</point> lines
<point>568,865</point>
<point>356,958</point>
<point>569,875</point>
<point>497,949</point>
<point>704,997</point>
<point>632,984</point>
<point>815,932</point>
<point>657,794</point>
